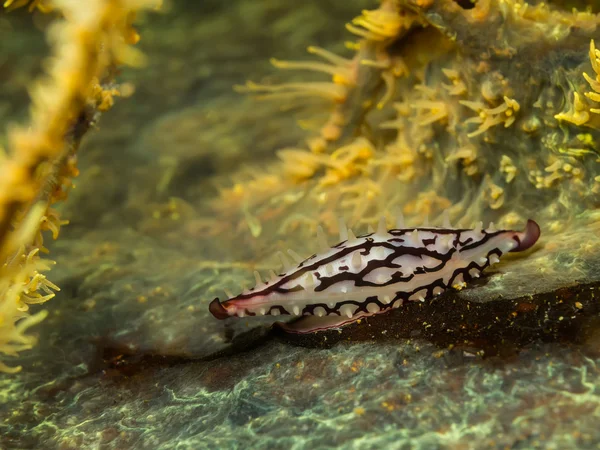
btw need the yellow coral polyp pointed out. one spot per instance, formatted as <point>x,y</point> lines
<point>579,112</point>
<point>508,168</point>
<point>104,98</point>
<point>390,70</point>
<point>346,161</point>
<point>341,69</point>
<point>429,111</point>
<point>292,91</point>
<point>16,339</point>
<point>381,24</point>
<point>298,163</point>
<point>343,163</point>
<point>458,87</point>
<point>493,193</point>
<point>468,156</point>
<point>490,117</point>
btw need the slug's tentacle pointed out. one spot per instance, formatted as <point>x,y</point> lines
<point>528,237</point>
<point>216,309</point>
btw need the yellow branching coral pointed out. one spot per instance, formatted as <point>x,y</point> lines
<point>391,69</point>
<point>490,117</point>
<point>379,28</point>
<point>22,283</point>
<point>90,39</point>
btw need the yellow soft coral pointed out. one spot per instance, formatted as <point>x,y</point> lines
<point>91,38</point>
<point>352,79</point>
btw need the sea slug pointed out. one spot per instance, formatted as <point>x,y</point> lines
<point>374,273</point>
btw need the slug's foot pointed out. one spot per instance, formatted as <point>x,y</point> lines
<point>314,324</point>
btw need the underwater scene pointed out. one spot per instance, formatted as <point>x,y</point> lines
<point>368,224</point>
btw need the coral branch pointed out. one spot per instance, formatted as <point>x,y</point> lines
<point>88,42</point>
